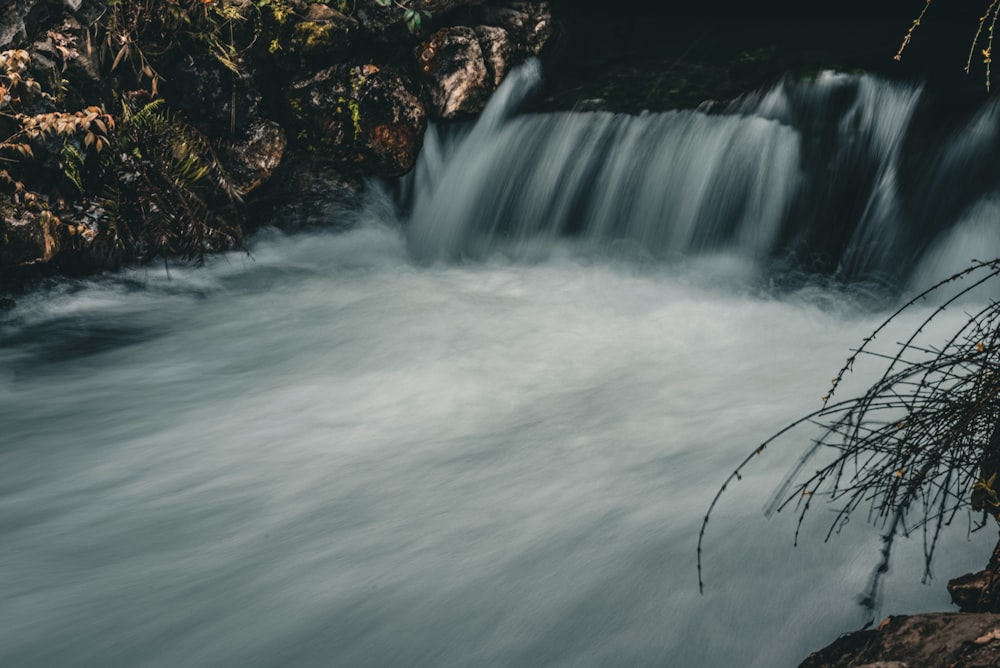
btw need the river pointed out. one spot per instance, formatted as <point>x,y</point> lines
<point>482,426</point>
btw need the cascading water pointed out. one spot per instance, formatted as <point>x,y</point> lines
<point>812,171</point>
<point>355,450</point>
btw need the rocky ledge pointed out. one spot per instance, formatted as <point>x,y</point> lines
<point>966,639</point>
<point>128,133</point>
<point>946,639</point>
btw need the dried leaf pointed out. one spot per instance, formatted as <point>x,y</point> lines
<point>122,52</point>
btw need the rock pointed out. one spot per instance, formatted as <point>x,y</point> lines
<point>13,22</point>
<point>30,238</point>
<point>497,50</point>
<point>462,66</point>
<point>361,115</point>
<point>968,591</point>
<point>979,592</point>
<point>65,51</point>
<point>213,98</point>
<point>253,159</point>
<point>319,12</point>
<point>529,24</point>
<point>308,192</point>
<point>956,640</point>
<point>325,31</point>
<point>454,67</point>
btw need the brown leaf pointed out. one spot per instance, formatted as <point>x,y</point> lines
<point>122,52</point>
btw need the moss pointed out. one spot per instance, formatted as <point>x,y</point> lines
<point>355,109</point>
<point>355,117</point>
<point>312,36</point>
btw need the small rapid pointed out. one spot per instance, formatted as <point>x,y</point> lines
<point>482,426</point>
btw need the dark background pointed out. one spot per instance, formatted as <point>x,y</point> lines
<point>844,34</point>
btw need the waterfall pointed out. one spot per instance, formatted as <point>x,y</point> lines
<point>828,173</point>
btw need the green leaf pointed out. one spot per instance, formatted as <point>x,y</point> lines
<point>412,19</point>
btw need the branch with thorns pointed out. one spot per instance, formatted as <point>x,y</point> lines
<point>919,446</point>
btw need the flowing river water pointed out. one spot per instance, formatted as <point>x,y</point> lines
<point>482,426</point>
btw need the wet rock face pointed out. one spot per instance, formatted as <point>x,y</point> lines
<point>252,159</point>
<point>497,52</point>
<point>462,66</point>
<point>454,66</point>
<point>360,115</point>
<point>308,192</point>
<point>957,640</point>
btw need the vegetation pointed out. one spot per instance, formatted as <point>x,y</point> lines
<point>920,447</point>
<point>128,161</point>
<point>167,192</point>
<point>413,16</point>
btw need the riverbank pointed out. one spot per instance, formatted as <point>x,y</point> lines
<point>130,137</point>
<point>130,134</point>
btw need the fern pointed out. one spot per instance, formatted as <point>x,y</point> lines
<point>171,180</point>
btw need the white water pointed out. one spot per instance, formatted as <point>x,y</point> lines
<point>334,455</point>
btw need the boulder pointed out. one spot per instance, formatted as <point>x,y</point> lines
<point>457,81</point>
<point>308,192</point>
<point>30,237</point>
<point>14,21</point>
<point>497,51</point>
<point>252,159</point>
<point>323,31</point>
<point>529,24</point>
<point>361,115</point>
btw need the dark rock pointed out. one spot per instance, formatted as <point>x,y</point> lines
<point>969,591</point>
<point>307,192</point>
<point>361,115</point>
<point>253,159</point>
<point>956,640</point>
<point>13,22</point>
<point>979,592</point>
<point>497,51</point>
<point>454,68</point>
<point>212,97</point>
<point>325,31</point>
<point>529,24</point>
<point>462,66</point>
<point>65,54</point>
<point>30,237</point>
